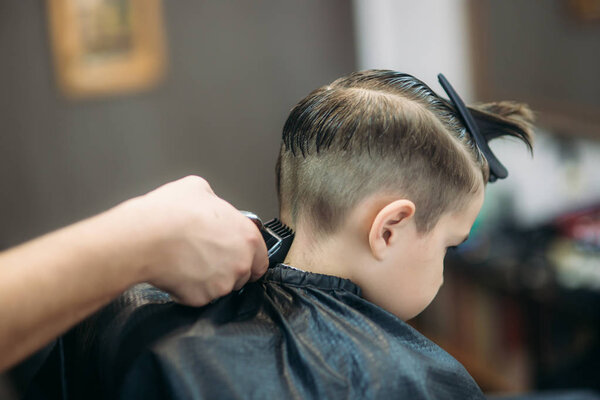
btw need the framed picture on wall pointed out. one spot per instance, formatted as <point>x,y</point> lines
<point>586,10</point>
<point>104,47</point>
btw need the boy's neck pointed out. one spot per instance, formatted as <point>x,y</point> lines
<point>337,255</point>
<point>311,256</point>
<point>341,253</point>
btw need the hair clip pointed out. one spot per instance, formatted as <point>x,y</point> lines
<point>497,170</point>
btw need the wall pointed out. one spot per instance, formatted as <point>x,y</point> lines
<point>236,68</point>
<point>422,38</point>
<point>544,53</point>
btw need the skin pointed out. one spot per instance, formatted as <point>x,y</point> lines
<point>180,237</point>
<point>380,249</point>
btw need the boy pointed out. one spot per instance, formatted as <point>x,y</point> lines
<point>378,176</point>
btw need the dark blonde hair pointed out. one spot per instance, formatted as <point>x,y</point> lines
<point>384,131</point>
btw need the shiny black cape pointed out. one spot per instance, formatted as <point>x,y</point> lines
<point>292,334</point>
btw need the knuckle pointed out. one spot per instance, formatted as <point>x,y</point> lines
<point>197,181</point>
<point>253,237</point>
<point>223,287</point>
<point>199,301</point>
<point>241,268</point>
<point>192,298</point>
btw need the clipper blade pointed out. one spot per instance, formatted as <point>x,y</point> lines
<point>278,238</point>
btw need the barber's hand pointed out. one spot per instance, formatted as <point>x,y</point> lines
<point>193,244</point>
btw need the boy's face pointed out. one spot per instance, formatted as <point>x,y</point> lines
<point>411,277</point>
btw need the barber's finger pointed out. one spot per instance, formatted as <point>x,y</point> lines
<point>195,297</point>
<point>242,281</point>
<point>260,264</point>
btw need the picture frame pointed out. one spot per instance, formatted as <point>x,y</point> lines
<point>104,47</point>
<point>586,10</point>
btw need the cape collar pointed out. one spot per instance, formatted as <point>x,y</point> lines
<point>292,276</point>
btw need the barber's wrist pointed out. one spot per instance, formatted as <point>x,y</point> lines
<point>128,242</point>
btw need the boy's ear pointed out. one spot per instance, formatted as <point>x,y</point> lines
<point>388,225</point>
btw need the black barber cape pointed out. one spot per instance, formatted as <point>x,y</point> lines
<point>290,335</point>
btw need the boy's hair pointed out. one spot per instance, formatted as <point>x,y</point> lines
<point>384,131</point>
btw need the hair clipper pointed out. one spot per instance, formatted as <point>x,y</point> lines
<point>278,237</point>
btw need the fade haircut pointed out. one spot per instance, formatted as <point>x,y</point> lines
<point>381,131</point>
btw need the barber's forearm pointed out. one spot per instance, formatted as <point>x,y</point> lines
<point>181,237</point>
<point>51,283</point>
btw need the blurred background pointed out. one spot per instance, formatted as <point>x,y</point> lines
<point>102,100</point>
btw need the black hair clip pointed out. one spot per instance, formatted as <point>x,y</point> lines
<point>497,170</point>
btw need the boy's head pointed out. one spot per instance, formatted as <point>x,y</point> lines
<point>377,151</point>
